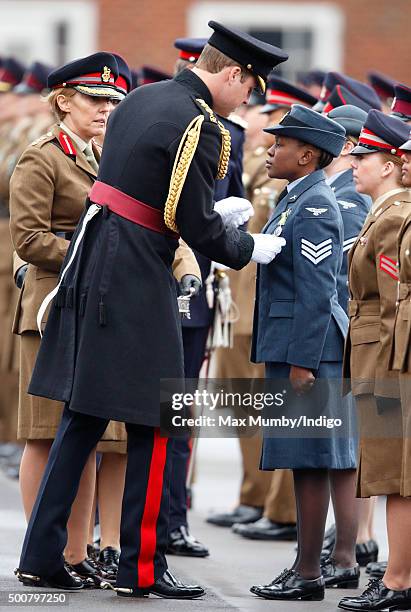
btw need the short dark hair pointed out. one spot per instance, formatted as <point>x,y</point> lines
<point>212,60</point>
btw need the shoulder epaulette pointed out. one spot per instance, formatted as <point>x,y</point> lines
<point>42,139</point>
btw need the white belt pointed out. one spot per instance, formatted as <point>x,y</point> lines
<point>92,211</point>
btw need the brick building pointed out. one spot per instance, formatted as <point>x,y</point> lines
<point>349,35</point>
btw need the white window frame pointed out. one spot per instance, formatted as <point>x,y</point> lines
<point>32,22</point>
<point>326,22</point>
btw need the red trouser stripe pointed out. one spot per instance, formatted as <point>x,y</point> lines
<point>148,534</point>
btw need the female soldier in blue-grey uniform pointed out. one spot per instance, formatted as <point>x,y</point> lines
<point>299,331</point>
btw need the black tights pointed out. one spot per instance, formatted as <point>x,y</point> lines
<point>312,494</point>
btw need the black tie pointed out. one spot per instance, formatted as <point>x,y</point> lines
<point>282,195</point>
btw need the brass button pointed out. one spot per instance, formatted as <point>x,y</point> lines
<point>407,251</point>
<point>257,190</point>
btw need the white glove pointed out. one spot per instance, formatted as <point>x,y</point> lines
<point>233,210</point>
<point>266,247</point>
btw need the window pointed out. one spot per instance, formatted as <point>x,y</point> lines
<point>311,33</point>
<point>52,32</point>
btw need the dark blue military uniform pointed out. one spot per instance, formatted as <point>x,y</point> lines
<point>298,320</point>
<point>354,207</point>
<point>195,330</point>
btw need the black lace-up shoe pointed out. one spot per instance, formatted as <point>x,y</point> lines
<point>167,587</point>
<point>340,577</point>
<point>289,585</point>
<point>108,561</point>
<point>181,542</point>
<point>90,569</point>
<point>366,552</point>
<point>64,580</point>
<point>377,569</point>
<point>377,597</point>
<point>241,514</point>
<point>264,529</point>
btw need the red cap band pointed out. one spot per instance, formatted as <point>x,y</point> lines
<point>189,56</point>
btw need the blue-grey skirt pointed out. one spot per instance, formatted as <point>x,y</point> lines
<point>333,447</point>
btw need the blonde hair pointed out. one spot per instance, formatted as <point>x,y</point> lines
<point>68,92</point>
<point>388,157</point>
<point>212,60</point>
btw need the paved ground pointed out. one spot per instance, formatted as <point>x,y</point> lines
<point>234,565</point>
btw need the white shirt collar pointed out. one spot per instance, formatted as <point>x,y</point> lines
<point>331,179</point>
<point>385,197</point>
<point>79,141</point>
<point>291,186</point>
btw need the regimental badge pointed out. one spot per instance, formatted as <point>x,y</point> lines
<point>106,74</point>
<point>363,240</point>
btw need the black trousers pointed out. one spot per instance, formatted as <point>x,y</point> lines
<point>194,342</point>
<point>145,511</point>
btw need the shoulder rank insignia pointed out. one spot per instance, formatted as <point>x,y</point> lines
<point>347,244</point>
<point>67,144</point>
<point>41,138</point>
<point>316,252</point>
<point>106,74</point>
<point>347,205</point>
<point>389,266</point>
<point>317,211</point>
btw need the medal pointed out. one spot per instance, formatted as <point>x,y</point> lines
<point>284,216</point>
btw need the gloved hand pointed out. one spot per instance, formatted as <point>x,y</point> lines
<point>20,275</point>
<point>218,266</point>
<point>233,210</point>
<point>266,247</point>
<point>188,282</point>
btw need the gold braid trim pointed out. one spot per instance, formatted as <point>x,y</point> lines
<point>225,141</point>
<point>184,157</point>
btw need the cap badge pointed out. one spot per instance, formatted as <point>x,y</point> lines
<point>105,75</point>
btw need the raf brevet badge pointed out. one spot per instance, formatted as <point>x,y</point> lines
<point>284,216</point>
<point>106,74</point>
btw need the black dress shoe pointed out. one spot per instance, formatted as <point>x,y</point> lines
<point>289,585</point>
<point>167,587</point>
<point>377,597</point>
<point>64,579</point>
<point>264,529</point>
<point>181,542</point>
<point>340,577</point>
<point>92,551</point>
<point>90,569</point>
<point>366,552</point>
<point>241,514</point>
<point>108,561</point>
<point>377,569</point>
